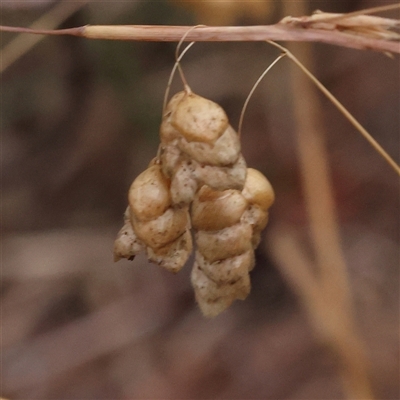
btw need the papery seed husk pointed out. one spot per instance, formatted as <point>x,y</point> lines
<point>167,132</point>
<point>221,178</point>
<point>170,158</point>
<point>174,102</point>
<point>183,184</point>
<point>224,151</point>
<point>174,255</point>
<point>199,119</point>
<point>258,190</point>
<point>209,307</point>
<point>256,217</point>
<point>225,243</point>
<point>149,194</point>
<point>229,270</point>
<point>214,210</point>
<point>160,231</point>
<point>213,298</point>
<point>127,244</point>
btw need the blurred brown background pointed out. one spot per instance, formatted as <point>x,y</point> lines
<point>79,120</point>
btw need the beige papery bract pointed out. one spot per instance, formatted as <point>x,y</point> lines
<point>228,225</point>
<point>200,166</point>
<point>154,224</point>
<point>198,146</point>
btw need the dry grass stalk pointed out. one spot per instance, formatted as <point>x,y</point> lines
<point>20,45</point>
<point>333,325</point>
<point>378,148</point>
<point>361,31</point>
<point>325,294</point>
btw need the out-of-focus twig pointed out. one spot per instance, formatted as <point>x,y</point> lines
<point>362,32</point>
<point>120,323</point>
<point>332,325</point>
<point>323,290</point>
<point>21,44</point>
<point>379,149</point>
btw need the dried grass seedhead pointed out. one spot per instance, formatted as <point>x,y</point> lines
<point>227,228</point>
<point>371,26</point>
<point>199,167</point>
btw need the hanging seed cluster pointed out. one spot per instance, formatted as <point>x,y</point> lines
<point>199,183</point>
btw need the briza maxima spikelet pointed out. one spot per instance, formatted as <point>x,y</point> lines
<point>199,168</point>
<point>161,228</point>
<point>199,147</point>
<point>228,225</point>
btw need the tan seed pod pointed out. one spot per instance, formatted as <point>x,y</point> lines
<point>199,165</point>
<point>149,194</point>
<point>183,184</point>
<point>213,298</point>
<point>195,131</point>
<point>258,190</point>
<point>160,231</point>
<point>229,270</point>
<point>189,175</point>
<point>168,132</point>
<point>228,225</point>
<point>214,210</point>
<point>225,243</point>
<point>127,244</point>
<point>170,157</point>
<point>256,217</point>
<point>224,151</point>
<point>174,255</point>
<point>260,194</point>
<point>221,178</point>
<point>198,119</point>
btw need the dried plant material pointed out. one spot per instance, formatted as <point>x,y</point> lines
<point>227,271</point>
<point>324,287</point>
<point>173,256</point>
<point>220,178</point>
<point>258,190</point>
<point>223,151</point>
<point>153,224</point>
<point>199,147</point>
<point>377,147</point>
<point>227,242</point>
<point>127,245</point>
<point>214,210</point>
<point>149,194</point>
<point>258,219</point>
<point>162,230</point>
<point>184,184</point>
<point>199,165</point>
<point>228,225</point>
<point>376,37</point>
<point>198,119</point>
<point>213,298</point>
<point>362,25</point>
